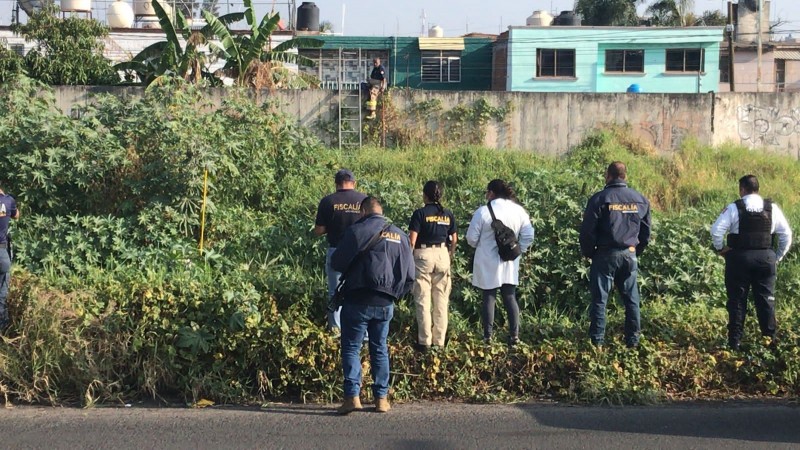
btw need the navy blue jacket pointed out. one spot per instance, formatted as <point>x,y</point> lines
<point>616,217</point>
<point>388,268</point>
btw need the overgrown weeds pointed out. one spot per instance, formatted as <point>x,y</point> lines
<point>111,299</point>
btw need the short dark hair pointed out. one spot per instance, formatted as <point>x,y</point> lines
<point>616,170</point>
<point>749,184</point>
<point>371,205</point>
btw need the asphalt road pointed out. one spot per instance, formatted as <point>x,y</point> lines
<point>408,426</point>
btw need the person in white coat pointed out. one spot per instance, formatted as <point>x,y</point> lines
<point>489,272</point>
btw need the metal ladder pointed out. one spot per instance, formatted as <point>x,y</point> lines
<point>350,100</point>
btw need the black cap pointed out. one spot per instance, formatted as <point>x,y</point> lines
<point>343,176</point>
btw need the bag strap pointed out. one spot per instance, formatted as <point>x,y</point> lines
<point>491,211</point>
<point>372,243</point>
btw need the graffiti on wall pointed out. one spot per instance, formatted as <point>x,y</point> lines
<point>767,125</point>
<point>665,137</point>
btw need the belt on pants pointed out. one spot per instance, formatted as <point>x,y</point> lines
<point>615,249</point>
<point>441,244</point>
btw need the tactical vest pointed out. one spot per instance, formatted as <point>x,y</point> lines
<point>755,228</point>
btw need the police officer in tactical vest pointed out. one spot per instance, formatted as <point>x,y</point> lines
<point>751,257</point>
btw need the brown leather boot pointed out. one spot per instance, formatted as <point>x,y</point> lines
<point>350,404</point>
<point>382,405</point>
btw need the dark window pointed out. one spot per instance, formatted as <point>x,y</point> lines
<point>685,60</point>
<point>625,61</point>
<point>555,63</point>
<point>780,75</point>
<point>441,66</point>
<point>724,69</point>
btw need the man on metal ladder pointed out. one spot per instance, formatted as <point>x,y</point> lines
<point>377,83</point>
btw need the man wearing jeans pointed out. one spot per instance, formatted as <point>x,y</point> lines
<point>379,266</point>
<point>335,213</point>
<point>8,211</point>
<point>615,231</point>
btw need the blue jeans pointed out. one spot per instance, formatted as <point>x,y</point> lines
<point>333,281</point>
<point>614,267</point>
<point>356,320</point>
<point>5,279</point>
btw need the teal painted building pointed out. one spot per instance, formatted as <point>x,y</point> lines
<point>459,63</point>
<point>607,59</point>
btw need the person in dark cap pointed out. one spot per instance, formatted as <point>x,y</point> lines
<point>8,211</point>
<point>335,213</point>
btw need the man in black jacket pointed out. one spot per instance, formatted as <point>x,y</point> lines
<point>615,231</point>
<point>378,267</point>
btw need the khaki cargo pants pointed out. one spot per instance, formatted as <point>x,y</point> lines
<point>432,294</point>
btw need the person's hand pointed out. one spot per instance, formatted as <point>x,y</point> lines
<point>724,251</point>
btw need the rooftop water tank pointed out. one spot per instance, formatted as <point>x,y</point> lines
<point>145,8</point>
<point>149,22</point>
<point>308,17</point>
<point>76,5</point>
<point>568,19</point>
<point>119,15</point>
<point>436,32</point>
<point>540,19</point>
<point>30,6</point>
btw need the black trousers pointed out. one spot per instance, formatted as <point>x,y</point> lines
<point>746,269</point>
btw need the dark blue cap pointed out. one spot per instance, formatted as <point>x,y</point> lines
<point>343,176</point>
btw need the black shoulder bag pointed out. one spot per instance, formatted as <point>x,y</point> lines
<point>507,244</point>
<point>338,297</point>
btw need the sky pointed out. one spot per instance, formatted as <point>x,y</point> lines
<point>403,17</point>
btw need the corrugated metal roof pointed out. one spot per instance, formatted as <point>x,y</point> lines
<point>441,43</point>
<point>793,55</point>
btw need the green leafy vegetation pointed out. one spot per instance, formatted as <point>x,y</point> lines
<point>111,299</point>
<point>67,52</point>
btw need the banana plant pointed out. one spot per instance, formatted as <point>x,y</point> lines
<point>170,57</point>
<point>250,58</point>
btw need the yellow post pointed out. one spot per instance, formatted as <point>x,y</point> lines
<point>203,210</point>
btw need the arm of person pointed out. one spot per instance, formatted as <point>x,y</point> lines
<point>783,231</point>
<point>411,271</point>
<point>644,231</point>
<point>412,238</point>
<point>526,234</point>
<point>588,236</point>
<point>453,244</point>
<point>320,226</point>
<point>720,228</point>
<point>345,252</point>
<point>475,228</point>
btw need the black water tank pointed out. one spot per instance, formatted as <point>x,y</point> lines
<point>308,17</point>
<point>568,19</point>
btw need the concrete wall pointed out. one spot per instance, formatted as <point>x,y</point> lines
<point>552,123</point>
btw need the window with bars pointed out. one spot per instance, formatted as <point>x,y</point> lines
<point>441,66</point>
<point>686,60</point>
<point>625,61</point>
<point>551,63</point>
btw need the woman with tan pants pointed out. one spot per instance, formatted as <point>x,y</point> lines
<point>429,230</point>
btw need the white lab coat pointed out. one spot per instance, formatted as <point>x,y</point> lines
<point>489,271</point>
